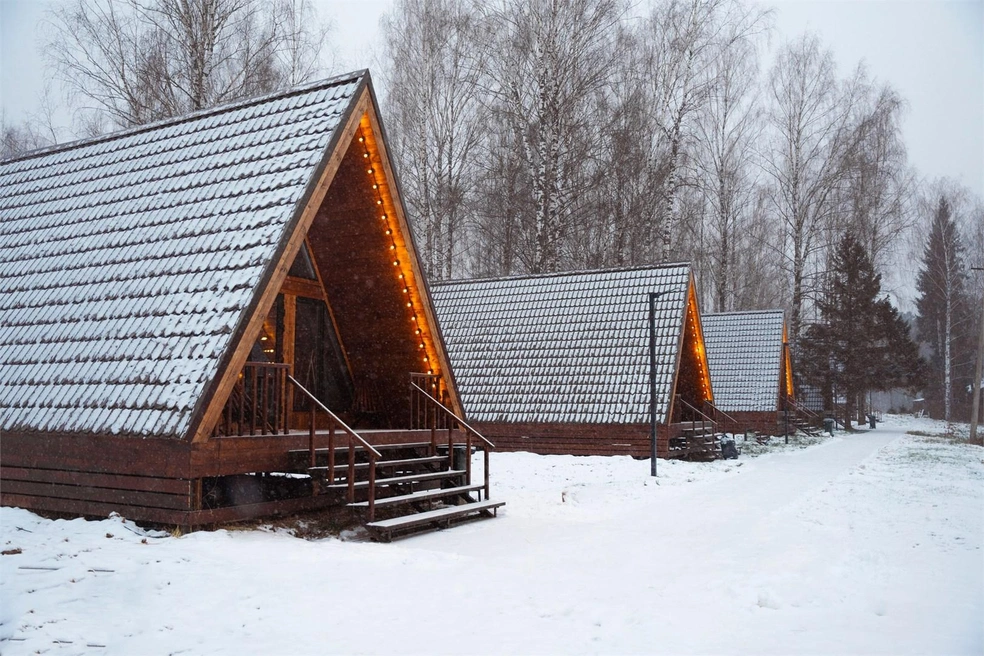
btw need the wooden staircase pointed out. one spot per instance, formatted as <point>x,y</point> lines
<point>695,440</point>
<point>414,486</point>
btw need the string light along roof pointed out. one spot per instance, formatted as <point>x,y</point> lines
<point>744,354</point>
<point>563,348</point>
<point>128,261</point>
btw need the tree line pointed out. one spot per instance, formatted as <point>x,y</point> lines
<point>547,135</point>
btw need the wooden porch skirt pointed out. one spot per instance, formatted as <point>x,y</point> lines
<point>766,422</point>
<point>151,480</point>
<point>576,439</point>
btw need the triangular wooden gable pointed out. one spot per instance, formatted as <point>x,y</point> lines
<point>786,373</point>
<point>368,265</point>
<point>692,380</point>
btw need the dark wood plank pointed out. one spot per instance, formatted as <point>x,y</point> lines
<point>99,494</point>
<point>121,482</point>
<point>160,458</point>
<point>95,509</point>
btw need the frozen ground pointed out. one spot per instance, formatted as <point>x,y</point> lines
<point>863,544</point>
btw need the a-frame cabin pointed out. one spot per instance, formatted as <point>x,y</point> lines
<point>559,363</point>
<point>752,371</point>
<point>199,317</point>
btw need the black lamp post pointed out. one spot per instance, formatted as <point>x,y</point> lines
<point>652,379</point>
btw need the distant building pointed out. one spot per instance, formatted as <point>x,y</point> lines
<point>559,363</point>
<point>751,369</point>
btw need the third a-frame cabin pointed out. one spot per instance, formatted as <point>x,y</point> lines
<point>221,316</point>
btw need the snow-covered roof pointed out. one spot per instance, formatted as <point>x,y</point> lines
<point>744,355</point>
<point>564,348</point>
<point>128,261</point>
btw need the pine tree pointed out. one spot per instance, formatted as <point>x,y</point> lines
<point>944,319</point>
<point>862,342</point>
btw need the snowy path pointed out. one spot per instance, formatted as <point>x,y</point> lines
<point>866,544</point>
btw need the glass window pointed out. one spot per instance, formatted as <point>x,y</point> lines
<point>302,266</point>
<point>269,345</point>
<point>319,364</point>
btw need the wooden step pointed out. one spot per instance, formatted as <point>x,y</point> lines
<point>342,467</point>
<point>323,451</point>
<point>386,527</point>
<point>399,480</point>
<point>423,495</point>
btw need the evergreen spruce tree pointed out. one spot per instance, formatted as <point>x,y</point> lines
<point>944,318</point>
<point>862,343</point>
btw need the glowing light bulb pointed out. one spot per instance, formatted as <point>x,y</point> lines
<point>365,154</point>
<point>361,139</point>
<point>396,262</point>
<point>409,304</point>
<point>369,171</point>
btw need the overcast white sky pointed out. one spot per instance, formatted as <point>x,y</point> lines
<point>931,51</point>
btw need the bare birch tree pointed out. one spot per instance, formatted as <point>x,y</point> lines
<point>128,62</point>
<point>436,115</point>
<point>551,58</point>
<point>878,192</point>
<point>727,126</point>
<point>808,119</point>
<point>688,39</point>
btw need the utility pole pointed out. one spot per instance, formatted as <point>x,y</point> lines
<point>652,379</point>
<point>976,406</point>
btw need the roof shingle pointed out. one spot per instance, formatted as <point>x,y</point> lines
<point>744,353</point>
<point>565,348</point>
<point>126,262</point>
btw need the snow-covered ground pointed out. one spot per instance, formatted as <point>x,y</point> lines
<point>866,543</point>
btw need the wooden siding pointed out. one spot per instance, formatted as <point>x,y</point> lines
<point>576,439</point>
<point>352,250</point>
<point>142,479</point>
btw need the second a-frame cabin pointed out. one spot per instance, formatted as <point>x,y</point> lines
<point>752,372</point>
<point>559,363</point>
<point>223,316</point>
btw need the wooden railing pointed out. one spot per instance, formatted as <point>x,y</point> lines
<point>469,432</point>
<point>704,419</point>
<point>423,414</point>
<point>805,412</point>
<point>353,439</point>
<point>722,418</point>
<point>257,404</point>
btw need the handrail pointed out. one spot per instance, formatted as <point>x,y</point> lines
<point>469,431</point>
<point>722,412</point>
<point>451,413</point>
<point>799,408</point>
<point>374,455</point>
<point>335,418</point>
<point>681,400</point>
